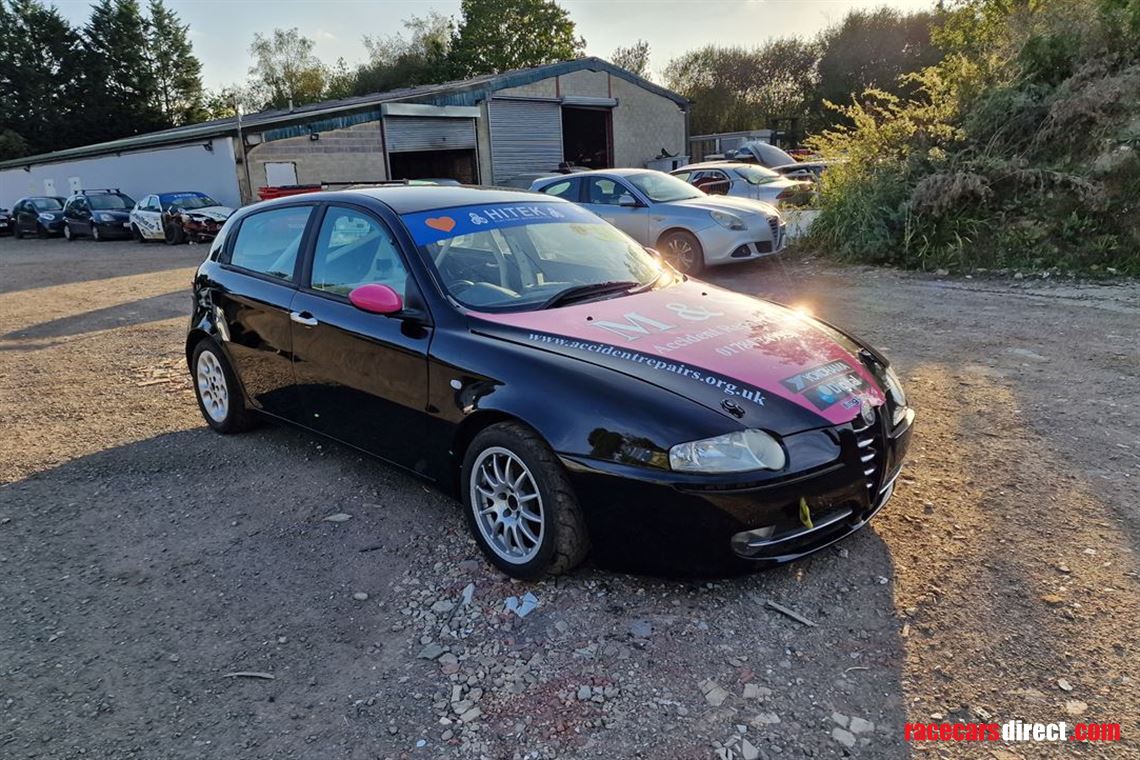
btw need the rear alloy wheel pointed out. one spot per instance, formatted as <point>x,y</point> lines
<point>519,503</point>
<point>217,390</point>
<point>683,251</point>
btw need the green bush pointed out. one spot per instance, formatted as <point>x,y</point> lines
<point>1019,149</point>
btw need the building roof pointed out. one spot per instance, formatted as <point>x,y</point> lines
<point>460,92</point>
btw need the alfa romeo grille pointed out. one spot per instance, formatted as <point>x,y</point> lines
<point>870,445</point>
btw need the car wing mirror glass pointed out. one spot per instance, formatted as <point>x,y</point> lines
<point>377,299</point>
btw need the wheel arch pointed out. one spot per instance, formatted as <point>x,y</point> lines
<point>471,426</point>
<point>665,233</point>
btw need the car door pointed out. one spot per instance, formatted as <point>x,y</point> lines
<point>361,377</point>
<point>79,216</point>
<point>614,201</point>
<point>252,296</point>
<point>148,217</point>
<point>20,217</point>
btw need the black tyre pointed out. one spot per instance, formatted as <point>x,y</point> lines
<point>68,235</point>
<point>683,251</point>
<point>174,234</point>
<point>519,503</point>
<point>96,235</point>
<point>42,232</point>
<point>16,231</point>
<point>136,233</point>
<point>219,396</point>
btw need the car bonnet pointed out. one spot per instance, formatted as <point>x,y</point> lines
<point>730,352</point>
<point>727,203</point>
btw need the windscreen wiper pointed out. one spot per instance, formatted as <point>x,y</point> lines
<point>579,292</point>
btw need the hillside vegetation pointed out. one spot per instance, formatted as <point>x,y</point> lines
<point>1018,150</point>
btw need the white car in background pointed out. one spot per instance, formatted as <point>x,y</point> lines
<point>690,228</point>
<point>178,217</point>
<point>747,181</point>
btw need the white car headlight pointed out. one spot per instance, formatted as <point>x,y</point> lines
<point>47,217</point>
<point>741,451</point>
<point>105,217</point>
<point>898,396</point>
<point>727,220</point>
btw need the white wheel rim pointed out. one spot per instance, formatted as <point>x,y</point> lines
<point>507,505</point>
<point>212,388</point>
<point>682,251</point>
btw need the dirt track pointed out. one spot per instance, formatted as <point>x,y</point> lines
<point>145,558</point>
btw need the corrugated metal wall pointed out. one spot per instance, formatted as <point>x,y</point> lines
<point>407,133</point>
<point>526,137</point>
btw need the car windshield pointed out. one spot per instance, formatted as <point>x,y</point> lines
<point>47,204</point>
<point>110,202</point>
<point>663,188</point>
<point>189,201</point>
<point>756,175</point>
<point>526,256</point>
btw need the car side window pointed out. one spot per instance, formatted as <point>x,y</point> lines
<point>267,242</point>
<point>604,191</point>
<point>567,188</point>
<point>353,249</point>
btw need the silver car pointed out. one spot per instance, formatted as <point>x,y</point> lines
<point>691,229</point>
<point>746,181</point>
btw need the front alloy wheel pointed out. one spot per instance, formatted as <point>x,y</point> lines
<point>520,504</point>
<point>67,233</point>
<point>95,234</point>
<point>683,251</point>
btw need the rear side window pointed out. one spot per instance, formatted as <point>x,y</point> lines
<point>268,242</point>
<point>567,188</point>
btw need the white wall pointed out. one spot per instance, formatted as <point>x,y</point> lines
<point>158,170</point>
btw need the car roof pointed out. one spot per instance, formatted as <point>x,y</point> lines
<point>714,165</point>
<point>410,199</point>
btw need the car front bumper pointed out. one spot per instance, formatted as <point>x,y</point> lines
<point>663,520</point>
<point>723,246</point>
<point>118,229</point>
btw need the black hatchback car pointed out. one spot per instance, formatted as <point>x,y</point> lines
<point>38,215</point>
<point>102,214</point>
<point>566,384</point>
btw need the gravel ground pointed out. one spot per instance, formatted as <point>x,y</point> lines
<point>170,593</point>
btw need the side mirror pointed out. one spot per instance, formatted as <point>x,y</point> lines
<point>628,201</point>
<point>377,299</point>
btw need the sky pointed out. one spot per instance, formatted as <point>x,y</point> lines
<point>221,30</point>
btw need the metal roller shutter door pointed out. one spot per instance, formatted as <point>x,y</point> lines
<point>408,133</point>
<point>526,137</point>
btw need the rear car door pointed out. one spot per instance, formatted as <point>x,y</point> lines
<point>362,377</point>
<point>147,217</point>
<point>252,295</point>
<point>603,195</point>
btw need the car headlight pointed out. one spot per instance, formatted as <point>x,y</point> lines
<point>47,217</point>
<point>105,217</point>
<point>727,220</point>
<point>741,451</point>
<point>898,396</point>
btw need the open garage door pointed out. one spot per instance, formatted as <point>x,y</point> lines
<point>431,147</point>
<point>526,137</point>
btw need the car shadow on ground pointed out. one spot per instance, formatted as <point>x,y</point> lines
<point>175,304</point>
<point>140,576</point>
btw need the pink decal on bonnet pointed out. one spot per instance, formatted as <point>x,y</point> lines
<point>751,341</point>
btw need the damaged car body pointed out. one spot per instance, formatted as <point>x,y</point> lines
<point>565,383</point>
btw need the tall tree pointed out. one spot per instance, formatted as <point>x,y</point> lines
<point>117,87</point>
<point>634,58</point>
<point>873,49</point>
<point>405,61</point>
<point>177,71</point>
<point>736,88</point>
<point>38,65</point>
<point>285,70</point>
<point>498,35</point>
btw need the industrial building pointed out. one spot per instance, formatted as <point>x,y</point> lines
<point>490,129</point>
